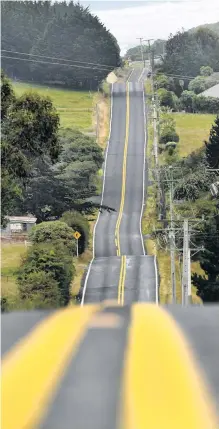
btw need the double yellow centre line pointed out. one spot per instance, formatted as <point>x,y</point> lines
<point>121,286</point>
<point>118,223</point>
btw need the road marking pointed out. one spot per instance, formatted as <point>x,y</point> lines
<point>130,75</point>
<point>143,178</point>
<point>141,74</point>
<point>162,386</point>
<point>118,223</point>
<point>121,285</point>
<point>156,280</point>
<point>32,370</point>
<point>98,217</point>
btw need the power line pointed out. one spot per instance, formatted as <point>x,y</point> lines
<point>176,76</point>
<point>55,58</point>
<point>52,63</point>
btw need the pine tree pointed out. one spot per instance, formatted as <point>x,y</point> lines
<point>212,146</point>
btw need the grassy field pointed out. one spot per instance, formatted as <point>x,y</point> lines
<point>11,254</point>
<point>193,129</point>
<point>74,107</point>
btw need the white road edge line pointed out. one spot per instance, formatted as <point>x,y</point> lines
<point>141,74</point>
<point>143,196</point>
<point>130,74</point>
<point>104,179</point>
<point>156,277</point>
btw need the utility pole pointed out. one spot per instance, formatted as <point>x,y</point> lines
<point>142,52</point>
<point>151,63</point>
<point>155,120</point>
<point>186,263</point>
<point>97,125</point>
<point>172,242</point>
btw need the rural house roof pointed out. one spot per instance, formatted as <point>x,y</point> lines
<point>22,219</point>
<point>211,92</point>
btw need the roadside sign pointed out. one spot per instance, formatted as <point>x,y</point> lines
<point>77,235</point>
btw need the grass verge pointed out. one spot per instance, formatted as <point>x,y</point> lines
<point>74,107</point>
<point>82,262</point>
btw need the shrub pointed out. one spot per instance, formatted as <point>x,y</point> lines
<point>46,272</point>
<point>186,100</point>
<point>206,71</point>
<point>170,146</point>
<point>54,231</point>
<point>197,85</point>
<point>189,187</point>
<point>168,135</point>
<point>78,222</point>
<point>40,288</point>
<point>162,81</point>
<point>206,104</point>
<point>167,98</point>
<point>4,304</point>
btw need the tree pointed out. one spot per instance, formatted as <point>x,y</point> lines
<point>64,30</point>
<point>208,286</point>
<point>198,84</point>
<point>168,135</point>
<point>78,223</point>
<point>187,52</point>
<point>29,131</point>
<point>205,104</point>
<point>191,185</point>
<point>46,273</point>
<point>39,288</point>
<point>67,184</point>
<point>186,100</point>
<point>32,125</point>
<point>167,98</point>
<point>212,146</point>
<point>162,81</point>
<point>206,71</point>
<point>54,232</point>
<point>7,95</point>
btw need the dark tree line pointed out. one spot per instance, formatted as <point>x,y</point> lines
<point>187,51</point>
<point>59,30</point>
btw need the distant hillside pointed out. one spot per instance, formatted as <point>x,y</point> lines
<point>159,45</point>
<point>213,27</point>
<point>135,53</point>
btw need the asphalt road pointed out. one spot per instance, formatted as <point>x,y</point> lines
<point>138,74</point>
<point>94,385</point>
<point>118,232</point>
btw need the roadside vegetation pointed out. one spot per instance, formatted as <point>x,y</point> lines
<point>53,186</point>
<point>189,142</point>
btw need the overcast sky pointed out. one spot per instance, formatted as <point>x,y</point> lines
<point>156,19</point>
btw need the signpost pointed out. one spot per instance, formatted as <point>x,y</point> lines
<point>77,235</point>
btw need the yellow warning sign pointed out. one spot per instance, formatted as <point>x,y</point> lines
<point>77,235</point>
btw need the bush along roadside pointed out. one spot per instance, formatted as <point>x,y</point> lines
<point>169,138</point>
<point>192,184</point>
<point>47,270</point>
<point>181,95</point>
